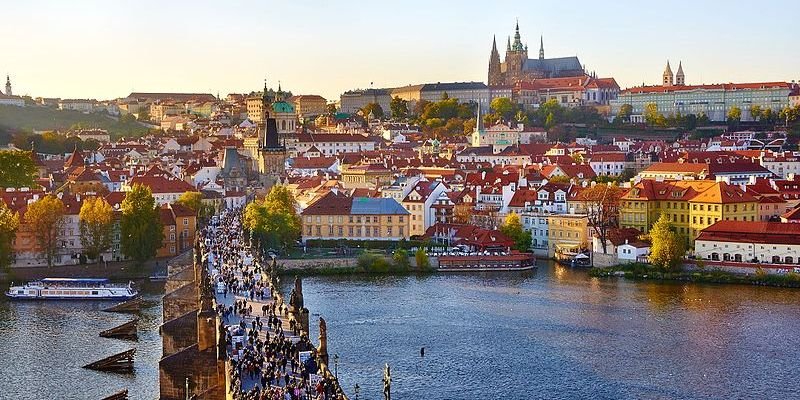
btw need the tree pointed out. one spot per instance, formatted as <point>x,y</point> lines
<point>399,107</point>
<point>422,259</point>
<point>140,225</point>
<point>331,108</point>
<point>143,115</point>
<point>512,227</point>
<point>17,169</point>
<point>624,113</point>
<point>503,107</point>
<point>400,258</point>
<point>274,219</point>
<point>9,223</point>
<point>194,202</point>
<point>602,206</point>
<point>46,219</point>
<point>734,114</point>
<point>666,250</point>
<point>755,112</point>
<point>651,114</point>
<point>97,226</point>
<point>374,109</point>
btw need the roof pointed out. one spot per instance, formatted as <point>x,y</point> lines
<point>553,65</point>
<point>717,86</point>
<point>694,168</point>
<point>282,107</point>
<point>335,203</point>
<point>377,206</point>
<point>452,86</point>
<point>752,232</point>
<point>172,96</point>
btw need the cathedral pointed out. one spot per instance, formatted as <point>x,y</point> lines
<point>518,67</point>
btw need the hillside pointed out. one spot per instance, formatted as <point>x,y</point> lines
<point>28,119</point>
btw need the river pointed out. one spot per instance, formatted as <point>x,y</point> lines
<point>550,333</point>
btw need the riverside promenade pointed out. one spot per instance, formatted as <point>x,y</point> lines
<point>266,339</point>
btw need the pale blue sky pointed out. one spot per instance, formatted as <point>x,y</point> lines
<point>105,49</point>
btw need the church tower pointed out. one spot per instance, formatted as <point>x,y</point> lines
<point>669,79</point>
<point>680,78</point>
<point>8,86</point>
<point>495,76</point>
<point>515,59</point>
<point>541,47</point>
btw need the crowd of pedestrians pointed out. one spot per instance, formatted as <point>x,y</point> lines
<point>264,359</point>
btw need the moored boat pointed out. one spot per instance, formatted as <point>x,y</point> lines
<point>72,289</point>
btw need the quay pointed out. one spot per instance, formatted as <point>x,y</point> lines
<point>228,332</point>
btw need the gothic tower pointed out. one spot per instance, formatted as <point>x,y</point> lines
<point>495,76</point>
<point>515,59</point>
<point>680,78</point>
<point>669,79</point>
<point>541,47</point>
<point>8,86</point>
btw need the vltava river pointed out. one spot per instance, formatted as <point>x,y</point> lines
<point>549,334</point>
<point>558,334</point>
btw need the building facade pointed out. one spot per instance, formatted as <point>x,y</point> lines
<point>336,216</point>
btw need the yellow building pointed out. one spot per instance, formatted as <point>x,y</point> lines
<point>567,232</point>
<point>255,109</point>
<point>337,216</point>
<point>159,110</point>
<point>689,205</point>
<point>365,176</point>
<point>309,105</point>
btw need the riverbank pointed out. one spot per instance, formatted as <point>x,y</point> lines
<point>638,271</point>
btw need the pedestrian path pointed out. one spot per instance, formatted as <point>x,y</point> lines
<point>263,345</point>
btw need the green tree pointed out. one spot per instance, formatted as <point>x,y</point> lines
<point>140,226</point>
<point>503,107</point>
<point>17,169</point>
<point>143,115</point>
<point>512,227</point>
<point>469,126</point>
<point>331,108</point>
<point>651,114</point>
<point>9,223</point>
<point>274,219</point>
<point>194,201</point>
<point>399,108</point>
<point>374,109</point>
<point>46,219</point>
<point>755,112</point>
<point>735,114</point>
<point>97,226</point>
<point>422,259</point>
<point>666,250</point>
<point>400,258</point>
<point>624,113</point>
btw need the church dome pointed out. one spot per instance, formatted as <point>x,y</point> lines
<point>282,107</point>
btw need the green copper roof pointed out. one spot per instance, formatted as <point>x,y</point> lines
<point>282,107</point>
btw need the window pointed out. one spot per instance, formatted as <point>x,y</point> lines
<point>186,222</point>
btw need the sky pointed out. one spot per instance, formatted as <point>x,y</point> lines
<point>107,49</point>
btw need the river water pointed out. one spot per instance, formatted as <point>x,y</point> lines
<point>547,334</point>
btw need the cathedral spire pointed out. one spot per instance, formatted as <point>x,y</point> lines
<point>541,47</point>
<point>668,77</point>
<point>508,46</point>
<point>680,78</point>
<point>517,40</point>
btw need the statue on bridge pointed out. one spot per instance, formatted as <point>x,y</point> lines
<point>387,383</point>
<point>296,296</point>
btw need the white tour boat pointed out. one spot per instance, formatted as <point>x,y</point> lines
<point>72,288</point>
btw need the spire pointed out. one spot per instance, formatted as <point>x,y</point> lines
<point>478,123</point>
<point>508,46</point>
<point>668,77</point>
<point>517,40</point>
<point>680,78</point>
<point>494,44</point>
<point>541,47</point>
<point>8,86</point>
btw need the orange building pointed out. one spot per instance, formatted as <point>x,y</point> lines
<point>180,227</point>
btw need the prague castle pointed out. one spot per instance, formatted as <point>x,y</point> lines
<point>518,67</point>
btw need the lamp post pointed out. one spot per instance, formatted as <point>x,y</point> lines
<point>336,366</point>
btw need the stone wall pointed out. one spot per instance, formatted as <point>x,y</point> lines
<point>321,263</point>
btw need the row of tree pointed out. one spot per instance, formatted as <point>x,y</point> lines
<point>139,225</point>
